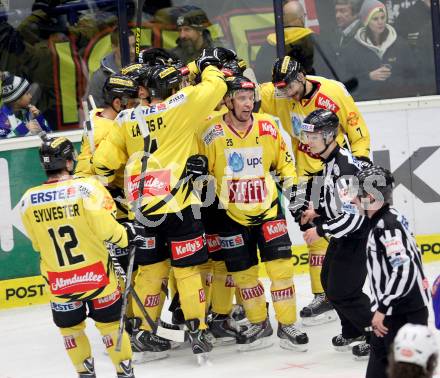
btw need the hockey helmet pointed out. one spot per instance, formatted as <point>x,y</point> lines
<point>375,179</point>
<point>284,71</point>
<point>238,83</point>
<point>163,80</point>
<point>414,344</point>
<point>54,153</point>
<point>119,86</point>
<point>156,55</point>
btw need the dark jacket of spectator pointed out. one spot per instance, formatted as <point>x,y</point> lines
<point>107,68</point>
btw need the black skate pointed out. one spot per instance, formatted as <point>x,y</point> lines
<point>342,344</point>
<point>318,311</point>
<point>132,325</point>
<point>220,328</point>
<point>201,342</point>
<point>177,316</point>
<point>89,369</point>
<point>147,346</point>
<point>255,337</point>
<point>127,370</point>
<point>361,351</point>
<point>292,338</point>
<point>173,328</point>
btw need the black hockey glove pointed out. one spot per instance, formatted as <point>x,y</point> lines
<point>208,57</point>
<point>136,235</point>
<point>225,55</point>
<point>197,165</point>
<point>297,202</point>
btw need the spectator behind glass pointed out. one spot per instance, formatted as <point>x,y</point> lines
<point>18,117</point>
<point>347,20</point>
<point>298,41</point>
<point>380,59</point>
<point>414,25</point>
<point>110,65</point>
<point>414,354</point>
<point>194,36</point>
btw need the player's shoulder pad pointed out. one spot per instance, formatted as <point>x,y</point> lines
<point>124,116</point>
<point>24,201</point>
<point>213,131</point>
<point>266,125</point>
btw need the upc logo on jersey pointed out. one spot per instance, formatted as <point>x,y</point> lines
<point>107,301</point>
<point>152,300</point>
<point>282,295</point>
<point>69,342</point>
<point>213,242</point>
<point>274,229</point>
<point>213,133</point>
<point>266,128</point>
<point>181,249</point>
<point>230,242</point>
<point>322,101</point>
<point>157,183</point>
<point>247,161</point>
<point>316,260</point>
<point>252,292</point>
<point>54,194</point>
<point>90,277</point>
<point>247,190</point>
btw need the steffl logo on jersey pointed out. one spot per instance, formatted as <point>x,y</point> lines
<point>274,229</point>
<point>266,128</point>
<point>181,249</point>
<point>247,190</point>
<point>282,294</point>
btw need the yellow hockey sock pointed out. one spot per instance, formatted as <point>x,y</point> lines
<point>280,272</point>
<point>109,332</point>
<point>206,271</point>
<point>77,345</point>
<point>251,293</point>
<point>223,289</point>
<point>316,256</point>
<point>192,295</point>
<point>148,285</point>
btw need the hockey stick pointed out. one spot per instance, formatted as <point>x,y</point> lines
<point>140,5</point>
<point>92,102</point>
<point>88,126</point>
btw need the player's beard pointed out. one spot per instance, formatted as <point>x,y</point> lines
<point>188,45</point>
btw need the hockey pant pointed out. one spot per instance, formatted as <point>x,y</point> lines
<point>78,346</point>
<point>280,272</point>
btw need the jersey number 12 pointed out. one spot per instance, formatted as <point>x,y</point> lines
<point>67,246</point>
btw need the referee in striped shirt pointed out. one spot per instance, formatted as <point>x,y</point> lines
<point>344,268</point>
<point>398,285</point>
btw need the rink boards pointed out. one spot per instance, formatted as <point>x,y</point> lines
<point>405,138</point>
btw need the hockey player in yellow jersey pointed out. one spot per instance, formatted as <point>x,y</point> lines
<point>175,235</point>
<point>68,219</point>
<point>243,148</point>
<point>291,97</point>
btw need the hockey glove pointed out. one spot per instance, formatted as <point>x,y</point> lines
<point>136,235</point>
<point>225,55</point>
<point>208,57</point>
<point>197,165</point>
<point>297,202</point>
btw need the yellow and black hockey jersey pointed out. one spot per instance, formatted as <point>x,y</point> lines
<point>242,165</point>
<point>330,95</point>
<point>68,222</point>
<point>172,139</point>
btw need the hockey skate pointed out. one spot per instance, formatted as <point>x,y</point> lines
<point>341,344</point>
<point>132,325</point>
<point>127,370</point>
<point>147,346</point>
<point>255,337</point>
<point>200,342</point>
<point>238,319</point>
<point>89,367</point>
<point>173,328</point>
<point>361,351</point>
<point>318,311</point>
<point>292,338</point>
<point>220,327</point>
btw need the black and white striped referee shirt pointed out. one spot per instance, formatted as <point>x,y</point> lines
<point>338,216</point>
<point>394,265</point>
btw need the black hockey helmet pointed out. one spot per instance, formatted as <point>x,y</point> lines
<point>137,72</point>
<point>284,71</point>
<point>321,120</point>
<point>162,81</point>
<point>237,83</point>
<point>54,153</point>
<point>119,86</point>
<point>156,55</point>
<point>234,67</point>
<point>375,179</point>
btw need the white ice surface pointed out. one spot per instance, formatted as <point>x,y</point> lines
<point>30,346</point>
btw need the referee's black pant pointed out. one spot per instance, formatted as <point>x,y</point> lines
<point>380,346</point>
<point>343,275</point>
